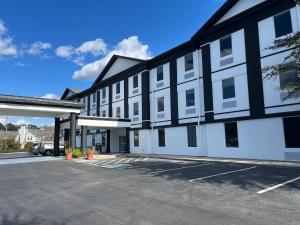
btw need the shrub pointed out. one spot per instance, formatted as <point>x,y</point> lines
<point>77,153</point>
<point>90,151</point>
<point>69,151</point>
<point>28,145</point>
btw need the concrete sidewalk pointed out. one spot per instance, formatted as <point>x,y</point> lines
<point>210,159</point>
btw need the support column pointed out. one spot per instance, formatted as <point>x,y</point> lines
<point>73,130</point>
<point>108,141</point>
<point>127,140</point>
<point>56,137</point>
<point>145,100</point>
<point>208,94</point>
<point>83,139</point>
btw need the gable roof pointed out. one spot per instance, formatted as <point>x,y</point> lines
<point>73,91</point>
<point>216,17</point>
<point>111,62</point>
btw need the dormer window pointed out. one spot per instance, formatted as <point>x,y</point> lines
<point>283,24</point>
<point>188,62</point>
<point>226,46</point>
<point>135,81</point>
<point>159,73</point>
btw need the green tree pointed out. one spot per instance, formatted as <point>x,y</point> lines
<point>28,145</point>
<point>2,127</point>
<point>290,63</point>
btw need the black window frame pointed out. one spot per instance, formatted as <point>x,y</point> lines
<point>231,93</point>
<point>160,108</point>
<point>160,73</point>
<point>190,102</point>
<point>231,135</point>
<point>161,137</point>
<point>189,62</point>
<point>291,126</point>
<point>191,132</point>
<point>136,138</point>
<point>135,81</point>
<point>283,24</point>
<point>226,46</point>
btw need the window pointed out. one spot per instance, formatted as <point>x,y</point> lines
<point>104,93</point>
<point>160,104</point>
<point>136,109</point>
<point>190,98</point>
<point>135,81</point>
<point>287,77</point>
<point>118,112</point>
<point>283,24</point>
<point>226,46</point>
<point>161,138</point>
<point>192,136</point>
<point>84,101</point>
<point>103,113</point>
<point>118,88</point>
<point>94,97</point>
<point>136,138</point>
<point>292,132</point>
<point>159,73</point>
<point>228,88</point>
<point>188,62</point>
<point>231,134</point>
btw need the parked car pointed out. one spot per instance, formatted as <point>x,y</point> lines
<point>35,148</point>
<point>47,148</point>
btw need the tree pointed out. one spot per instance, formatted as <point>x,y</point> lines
<point>2,127</point>
<point>290,63</point>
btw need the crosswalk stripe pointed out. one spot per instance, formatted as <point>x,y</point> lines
<point>138,159</point>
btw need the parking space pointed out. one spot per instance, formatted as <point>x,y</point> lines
<point>258,179</point>
<point>148,191</point>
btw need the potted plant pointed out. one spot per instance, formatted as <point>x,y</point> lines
<point>68,153</point>
<point>77,153</point>
<point>90,154</point>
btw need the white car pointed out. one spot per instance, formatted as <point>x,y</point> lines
<point>47,148</point>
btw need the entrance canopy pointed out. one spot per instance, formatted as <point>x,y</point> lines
<point>11,105</point>
<point>98,122</point>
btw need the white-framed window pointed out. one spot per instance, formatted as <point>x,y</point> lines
<point>135,109</point>
<point>136,138</point>
<point>118,112</point>
<point>118,88</point>
<point>159,73</point>
<point>135,81</point>
<point>103,113</point>
<point>228,88</point>
<point>226,46</point>
<point>190,98</point>
<point>188,62</point>
<point>160,104</point>
<point>283,24</point>
<point>103,93</point>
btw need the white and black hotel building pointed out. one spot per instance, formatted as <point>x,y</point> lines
<point>205,97</point>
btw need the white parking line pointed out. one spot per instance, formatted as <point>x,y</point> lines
<point>109,162</point>
<point>120,161</point>
<point>180,168</point>
<point>128,160</point>
<point>220,174</point>
<point>145,159</point>
<point>138,159</point>
<point>277,186</point>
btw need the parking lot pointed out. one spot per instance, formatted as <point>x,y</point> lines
<point>148,191</point>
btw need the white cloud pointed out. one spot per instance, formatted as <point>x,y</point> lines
<point>3,29</point>
<point>22,122</point>
<point>95,48</point>
<point>77,55</point>
<point>38,47</point>
<point>64,51</point>
<point>7,48</point>
<point>130,47</point>
<point>50,96</point>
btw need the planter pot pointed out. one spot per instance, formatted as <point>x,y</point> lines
<point>68,156</point>
<point>90,156</point>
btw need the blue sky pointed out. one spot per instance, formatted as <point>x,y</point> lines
<point>48,45</point>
